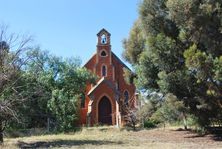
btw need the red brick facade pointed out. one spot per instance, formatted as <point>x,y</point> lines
<point>101,104</point>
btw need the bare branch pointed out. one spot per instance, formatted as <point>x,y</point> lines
<point>11,62</point>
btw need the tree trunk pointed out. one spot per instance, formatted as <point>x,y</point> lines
<point>134,126</point>
<point>48,124</point>
<point>1,132</point>
<point>185,121</point>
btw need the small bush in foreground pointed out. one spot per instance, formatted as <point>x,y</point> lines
<point>150,124</point>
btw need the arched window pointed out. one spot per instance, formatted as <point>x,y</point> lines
<point>82,96</point>
<point>104,70</point>
<point>103,53</point>
<point>103,39</point>
<point>126,97</point>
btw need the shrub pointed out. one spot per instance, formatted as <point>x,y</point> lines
<point>150,124</point>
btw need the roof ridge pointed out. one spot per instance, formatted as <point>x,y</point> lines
<point>89,59</point>
<point>121,61</point>
<point>97,84</point>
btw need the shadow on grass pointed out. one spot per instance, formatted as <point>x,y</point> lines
<point>194,133</point>
<point>215,133</point>
<point>182,129</point>
<point>65,143</point>
<point>212,136</point>
<point>217,137</point>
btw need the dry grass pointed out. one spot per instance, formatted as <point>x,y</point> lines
<point>112,138</point>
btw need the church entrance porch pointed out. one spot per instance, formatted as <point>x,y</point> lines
<point>105,111</point>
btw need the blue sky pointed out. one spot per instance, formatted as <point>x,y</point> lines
<point>69,27</point>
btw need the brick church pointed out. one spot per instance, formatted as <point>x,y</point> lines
<point>102,102</point>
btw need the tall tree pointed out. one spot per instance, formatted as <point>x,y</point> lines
<point>12,48</point>
<point>61,83</point>
<point>182,53</point>
<point>69,86</point>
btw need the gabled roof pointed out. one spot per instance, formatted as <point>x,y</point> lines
<point>94,87</point>
<point>108,83</point>
<point>102,31</point>
<point>89,59</point>
<point>120,61</point>
<point>114,55</point>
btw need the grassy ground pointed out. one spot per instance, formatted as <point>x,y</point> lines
<point>113,138</point>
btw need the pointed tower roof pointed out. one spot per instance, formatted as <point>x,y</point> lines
<point>102,31</point>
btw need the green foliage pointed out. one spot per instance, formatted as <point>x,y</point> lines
<point>161,110</point>
<point>146,72</point>
<point>65,109</point>
<point>63,80</point>
<point>218,69</point>
<point>170,111</point>
<point>200,62</point>
<point>37,94</point>
<point>53,85</point>
<point>134,45</point>
<point>150,124</point>
<point>12,93</point>
<point>128,76</point>
<point>152,103</point>
<point>192,121</point>
<point>181,54</point>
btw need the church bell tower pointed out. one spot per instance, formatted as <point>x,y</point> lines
<point>104,54</point>
<point>103,38</point>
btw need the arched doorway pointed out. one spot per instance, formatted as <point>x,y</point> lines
<point>105,111</point>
